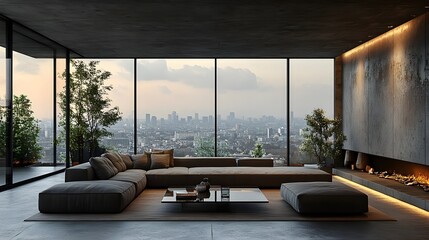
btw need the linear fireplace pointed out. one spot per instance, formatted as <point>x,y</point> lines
<point>403,180</point>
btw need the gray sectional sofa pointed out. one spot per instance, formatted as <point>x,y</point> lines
<point>88,185</point>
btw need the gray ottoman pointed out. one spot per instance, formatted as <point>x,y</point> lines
<point>98,196</point>
<point>324,198</point>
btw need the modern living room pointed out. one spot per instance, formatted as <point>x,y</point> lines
<point>188,76</point>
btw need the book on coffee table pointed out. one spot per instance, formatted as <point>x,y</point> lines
<point>186,195</point>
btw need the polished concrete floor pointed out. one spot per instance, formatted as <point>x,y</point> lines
<point>25,173</point>
<point>20,203</point>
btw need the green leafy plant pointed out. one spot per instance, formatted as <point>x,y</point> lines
<point>258,151</point>
<point>205,147</point>
<point>323,137</point>
<point>26,150</point>
<point>90,112</point>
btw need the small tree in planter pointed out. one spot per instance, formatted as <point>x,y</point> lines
<point>90,110</point>
<point>258,151</point>
<point>26,149</point>
<point>323,137</point>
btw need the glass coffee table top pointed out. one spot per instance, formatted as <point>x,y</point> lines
<point>215,195</point>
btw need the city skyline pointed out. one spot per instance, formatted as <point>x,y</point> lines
<point>250,87</point>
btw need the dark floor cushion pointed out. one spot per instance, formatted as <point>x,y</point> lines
<point>324,198</point>
<point>98,196</point>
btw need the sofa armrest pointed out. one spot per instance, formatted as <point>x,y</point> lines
<point>81,172</point>
<point>255,162</point>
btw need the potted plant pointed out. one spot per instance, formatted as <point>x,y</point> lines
<point>323,138</point>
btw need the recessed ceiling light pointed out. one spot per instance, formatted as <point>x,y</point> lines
<point>390,26</point>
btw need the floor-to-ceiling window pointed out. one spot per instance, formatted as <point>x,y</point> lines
<point>252,107</point>
<point>33,105</point>
<point>311,87</point>
<point>2,102</point>
<point>175,105</point>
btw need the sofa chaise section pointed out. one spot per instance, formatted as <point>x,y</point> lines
<point>97,196</point>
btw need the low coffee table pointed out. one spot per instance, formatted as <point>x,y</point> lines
<point>236,195</point>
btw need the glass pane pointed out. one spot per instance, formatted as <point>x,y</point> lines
<point>175,102</point>
<point>312,86</point>
<point>61,146</point>
<point>2,103</point>
<point>252,108</point>
<point>33,108</point>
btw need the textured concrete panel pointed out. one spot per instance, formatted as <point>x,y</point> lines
<point>386,99</point>
<point>379,74</point>
<point>355,105</point>
<point>409,92</point>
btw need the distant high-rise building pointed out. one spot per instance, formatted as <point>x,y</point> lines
<point>196,117</point>
<point>174,116</point>
<point>270,132</point>
<point>189,119</point>
<point>170,118</point>
<point>231,116</point>
<point>211,120</point>
<point>281,131</point>
<point>153,120</point>
<point>147,118</point>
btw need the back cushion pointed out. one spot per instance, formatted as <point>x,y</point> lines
<point>170,152</point>
<point>116,160</point>
<point>126,158</point>
<point>141,161</point>
<point>159,161</point>
<point>103,167</point>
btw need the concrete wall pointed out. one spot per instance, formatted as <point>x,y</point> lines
<point>385,95</point>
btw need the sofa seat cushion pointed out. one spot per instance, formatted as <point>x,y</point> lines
<point>324,198</point>
<point>263,177</point>
<point>98,196</point>
<point>167,177</point>
<point>135,176</point>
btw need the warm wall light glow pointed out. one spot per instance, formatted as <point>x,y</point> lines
<point>388,34</point>
<point>384,197</point>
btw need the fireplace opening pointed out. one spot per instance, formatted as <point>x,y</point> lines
<point>407,173</point>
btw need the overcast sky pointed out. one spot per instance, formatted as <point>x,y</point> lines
<point>250,88</point>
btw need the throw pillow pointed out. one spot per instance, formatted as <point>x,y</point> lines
<point>159,161</point>
<point>170,152</point>
<point>103,167</point>
<point>141,161</point>
<point>116,160</point>
<point>127,160</point>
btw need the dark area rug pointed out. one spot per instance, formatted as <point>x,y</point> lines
<point>148,207</point>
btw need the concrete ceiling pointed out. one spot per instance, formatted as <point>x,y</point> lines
<point>211,28</point>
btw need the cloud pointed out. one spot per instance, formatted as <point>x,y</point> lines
<point>26,65</point>
<point>152,70</point>
<point>164,90</point>
<point>236,79</point>
<point>197,76</point>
